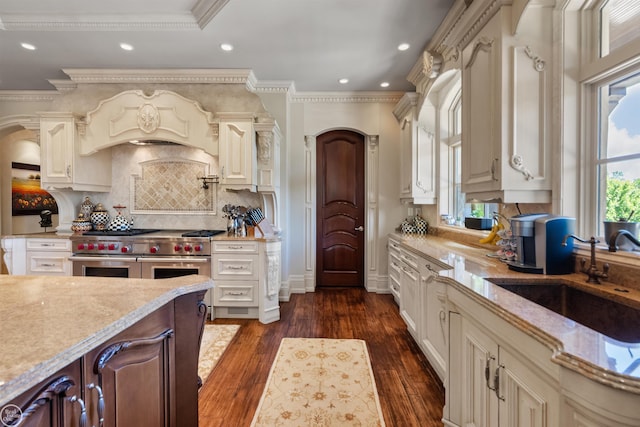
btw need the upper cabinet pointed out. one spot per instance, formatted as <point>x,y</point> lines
<point>238,159</point>
<point>62,166</point>
<point>418,154</point>
<point>506,114</point>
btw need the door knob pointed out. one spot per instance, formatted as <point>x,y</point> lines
<point>361,228</point>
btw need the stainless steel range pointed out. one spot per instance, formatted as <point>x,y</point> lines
<point>142,253</point>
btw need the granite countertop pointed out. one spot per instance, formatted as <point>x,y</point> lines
<point>49,322</point>
<point>574,346</point>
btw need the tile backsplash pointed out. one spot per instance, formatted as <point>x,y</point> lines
<point>159,185</point>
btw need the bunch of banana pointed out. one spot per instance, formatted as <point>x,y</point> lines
<point>492,237</point>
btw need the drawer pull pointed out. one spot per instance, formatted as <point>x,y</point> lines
<point>236,267</point>
<point>48,265</point>
<point>236,293</point>
<point>236,247</point>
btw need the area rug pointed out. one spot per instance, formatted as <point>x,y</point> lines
<point>215,340</point>
<point>320,382</point>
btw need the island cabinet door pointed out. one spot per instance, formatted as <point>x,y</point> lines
<point>130,380</point>
<point>54,402</point>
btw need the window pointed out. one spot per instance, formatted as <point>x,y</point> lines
<point>613,175</point>
<point>618,155</point>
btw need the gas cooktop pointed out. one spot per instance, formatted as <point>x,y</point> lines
<point>131,232</point>
<point>203,233</point>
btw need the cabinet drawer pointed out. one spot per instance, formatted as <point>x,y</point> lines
<point>233,267</point>
<point>56,264</point>
<point>49,244</point>
<point>394,287</point>
<point>395,268</point>
<point>234,246</point>
<point>410,259</point>
<point>234,294</point>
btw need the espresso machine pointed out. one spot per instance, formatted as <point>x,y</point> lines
<point>539,248</point>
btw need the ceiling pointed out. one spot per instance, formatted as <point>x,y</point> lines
<point>309,43</point>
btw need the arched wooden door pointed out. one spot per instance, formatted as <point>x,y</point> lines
<point>340,209</point>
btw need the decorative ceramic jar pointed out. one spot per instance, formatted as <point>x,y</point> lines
<point>119,222</point>
<point>81,224</point>
<point>421,225</point>
<point>100,217</point>
<point>86,208</point>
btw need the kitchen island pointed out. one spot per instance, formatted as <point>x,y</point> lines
<point>83,332</point>
<point>506,357</point>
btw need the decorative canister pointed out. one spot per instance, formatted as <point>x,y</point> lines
<point>86,208</point>
<point>422,226</point>
<point>81,224</point>
<point>119,222</point>
<point>99,217</point>
<point>407,227</point>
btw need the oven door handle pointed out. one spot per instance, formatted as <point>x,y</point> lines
<point>169,260</point>
<point>102,259</point>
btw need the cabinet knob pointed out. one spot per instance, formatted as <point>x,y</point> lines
<point>361,228</point>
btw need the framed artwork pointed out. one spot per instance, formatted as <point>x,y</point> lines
<point>27,198</point>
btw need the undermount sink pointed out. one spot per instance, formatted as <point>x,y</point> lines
<point>611,318</point>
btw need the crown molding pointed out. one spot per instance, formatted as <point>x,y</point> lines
<point>150,22</point>
<point>404,106</point>
<point>347,97</point>
<point>182,76</point>
<point>28,95</point>
<point>205,10</point>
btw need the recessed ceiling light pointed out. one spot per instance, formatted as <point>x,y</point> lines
<point>227,47</point>
<point>384,84</point>
<point>403,46</point>
<point>28,46</point>
<point>126,46</point>
<point>343,81</point>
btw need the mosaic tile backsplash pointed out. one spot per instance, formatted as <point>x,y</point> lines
<point>159,185</point>
<point>169,186</point>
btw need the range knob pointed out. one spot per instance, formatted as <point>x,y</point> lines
<point>177,248</point>
<point>154,249</point>
<point>91,246</point>
<point>112,246</point>
<point>80,246</point>
<point>125,249</point>
<point>101,246</point>
<point>197,248</point>
<point>187,248</point>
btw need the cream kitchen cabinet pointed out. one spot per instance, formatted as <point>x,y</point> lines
<point>37,256</point>
<point>433,328</point>
<point>62,166</point>
<point>49,257</point>
<point>237,152</point>
<point>417,154</point>
<point>247,279</point>
<point>506,147</point>
<point>409,290</point>
<point>395,269</point>
<point>497,377</point>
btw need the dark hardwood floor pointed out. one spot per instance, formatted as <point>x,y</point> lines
<point>410,392</point>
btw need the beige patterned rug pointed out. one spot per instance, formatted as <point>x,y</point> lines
<point>320,382</point>
<point>215,340</point>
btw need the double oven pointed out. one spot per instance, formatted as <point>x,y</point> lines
<point>142,253</point>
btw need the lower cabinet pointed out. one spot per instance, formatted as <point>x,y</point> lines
<point>433,328</point>
<point>247,276</point>
<point>409,291</point>
<point>145,376</point>
<point>491,384</point>
<point>395,269</point>
<point>54,402</point>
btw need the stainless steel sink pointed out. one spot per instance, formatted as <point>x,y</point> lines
<point>611,318</point>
